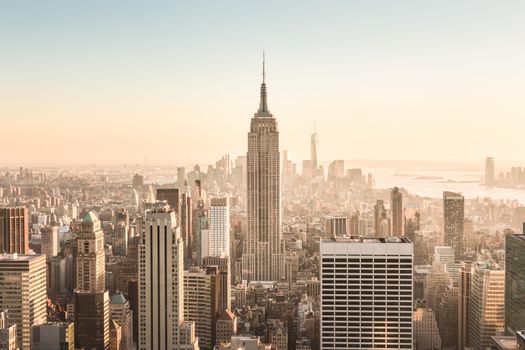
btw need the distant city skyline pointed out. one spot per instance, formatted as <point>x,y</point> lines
<point>380,80</point>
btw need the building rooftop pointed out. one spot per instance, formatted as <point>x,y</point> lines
<point>519,236</point>
<point>90,217</point>
<point>505,342</point>
<point>118,298</point>
<point>19,257</point>
<point>355,239</point>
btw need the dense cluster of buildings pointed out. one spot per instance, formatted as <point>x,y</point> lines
<point>252,254</point>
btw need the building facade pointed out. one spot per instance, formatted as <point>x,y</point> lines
<point>514,283</point>
<point>161,281</point>
<point>454,215</point>
<point>263,256</point>
<point>14,230</point>
<point>23,293</point>
<point>487,297</point>
<point>53,335</point>
<point>366,293</point>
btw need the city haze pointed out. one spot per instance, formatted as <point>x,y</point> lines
<point>115,82</point>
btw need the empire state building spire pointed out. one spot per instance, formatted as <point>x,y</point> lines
<point>263,105</point>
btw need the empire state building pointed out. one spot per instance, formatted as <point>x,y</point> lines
<point>263,255</point>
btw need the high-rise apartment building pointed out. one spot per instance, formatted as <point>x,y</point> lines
<point>14,230</point>
<point>489,171</point>
<point>23,293</point>
<point>454,215</point>
<point>396,206</point>
<point>464,277</point>
<point>366,293</point>
<point>487,298</point>
<point>161,283</point>
<point>514,283</point>
<point>201,303</point>
<point>263,256</point>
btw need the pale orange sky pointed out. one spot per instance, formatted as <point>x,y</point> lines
<point>174,83</point>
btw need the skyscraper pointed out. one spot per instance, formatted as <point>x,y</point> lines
<point>514,283</point>
<point>225,293</point>
<point>161,281</point>
<point>219,235</point>
<point>171,195</point>
<point>263,257</point>
<point>90,262</point>
<point>23,293</point>
<point>464,305</point>
<point>454,215</point>
<point>120,311</point>
<point>396,205</point>
<point>366,293</point>
<point>335,226</point>
<point>91,297</point>
<point>314,151</point>
<point>381,222</point>
<point>487,296</point>
<point>14,230</point>
<point>49,241</point>
<point>489,171</point>
<point>201,303</point>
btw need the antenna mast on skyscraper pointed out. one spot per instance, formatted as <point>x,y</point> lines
<point>264,68</point>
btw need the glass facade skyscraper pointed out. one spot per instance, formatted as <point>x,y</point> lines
<point>514,283</point>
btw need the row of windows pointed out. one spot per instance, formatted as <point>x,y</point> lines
<point>369,260</point>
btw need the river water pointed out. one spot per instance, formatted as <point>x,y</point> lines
<point>432,183</point>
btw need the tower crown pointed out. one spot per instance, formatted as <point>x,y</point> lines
<point>263,104</point>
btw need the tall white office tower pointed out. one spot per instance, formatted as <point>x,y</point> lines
<point>366,293</point>
<point>263,257</point>
<point>161,282</point>
<point>487,299</point>
<point>23,293</point>
<point>219,229</point>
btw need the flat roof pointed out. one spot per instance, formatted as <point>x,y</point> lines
<point>19,257</point>
<point>356,239</point>
<point>505,342</point>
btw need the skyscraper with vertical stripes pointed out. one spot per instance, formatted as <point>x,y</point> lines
<point>263,257</point>
<point>161,283</point>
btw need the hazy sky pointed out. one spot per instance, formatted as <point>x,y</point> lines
<point>118,81</point>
